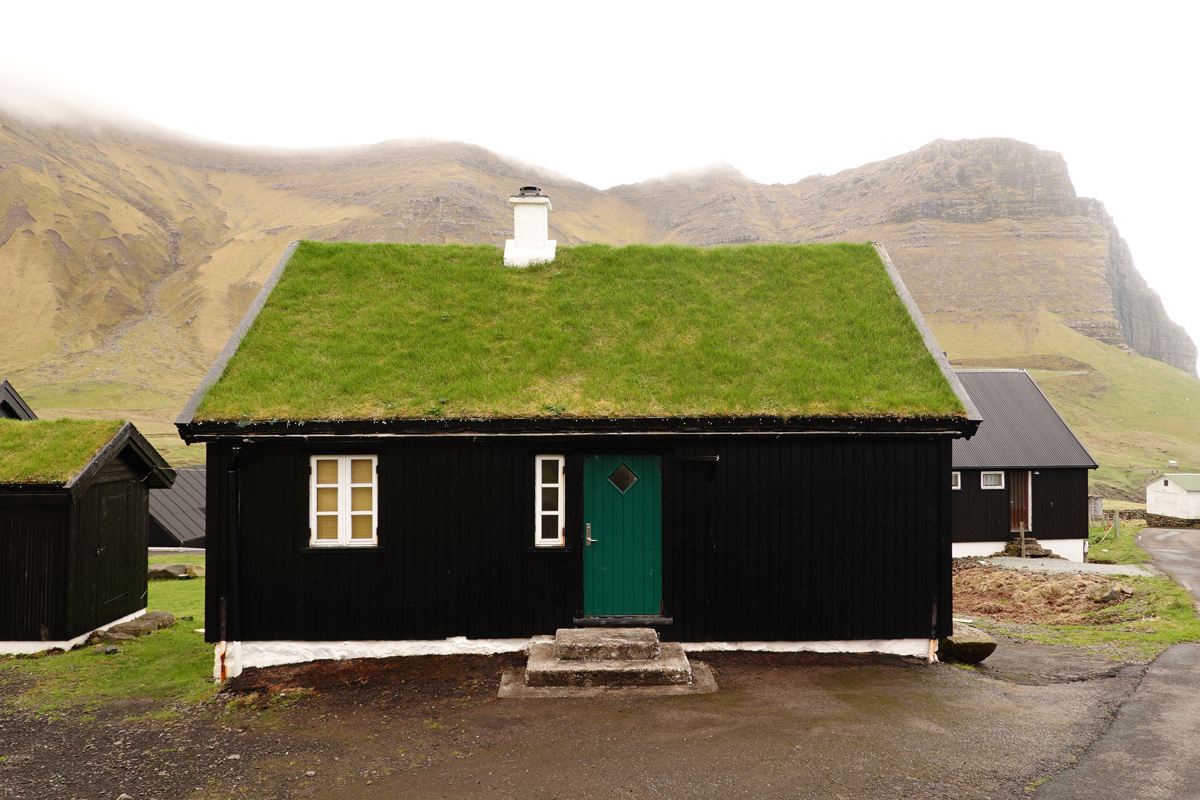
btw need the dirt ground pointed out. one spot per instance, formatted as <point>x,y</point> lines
<point>794,725</point>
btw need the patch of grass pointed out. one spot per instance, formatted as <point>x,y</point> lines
<point>50,451</point>
<point>166,668</point>
<point>1116,544</point>
<point>200,559</point>
<point>1160,614</point>
<point>393,331</point>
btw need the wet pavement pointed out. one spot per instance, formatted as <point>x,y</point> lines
<point>1152,748</point>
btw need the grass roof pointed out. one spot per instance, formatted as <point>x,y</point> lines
<point>50,451</point>
<point>379,331</point>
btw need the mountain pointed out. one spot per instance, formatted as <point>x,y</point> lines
<point>129,256</point>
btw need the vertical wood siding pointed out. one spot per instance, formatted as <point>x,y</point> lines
<point>789,538</point>
<point>32,580</point>
<point>1059,506</point>
<point>979,515</point>
<point>109,537</point>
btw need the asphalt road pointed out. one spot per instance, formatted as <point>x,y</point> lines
<point>1177,553</point>
<point>1152,748</point>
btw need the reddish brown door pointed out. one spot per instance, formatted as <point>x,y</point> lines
<point>1018,500</point>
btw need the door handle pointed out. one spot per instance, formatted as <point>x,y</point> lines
<point>588,537</point>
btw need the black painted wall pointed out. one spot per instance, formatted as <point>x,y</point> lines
<point>785,538</point>
<point>1059,506</point>
<point>71,564</point>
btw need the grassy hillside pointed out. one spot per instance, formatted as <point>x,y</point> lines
<point>1133,413</point>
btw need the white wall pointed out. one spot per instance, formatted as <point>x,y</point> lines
<point>1168,498</point>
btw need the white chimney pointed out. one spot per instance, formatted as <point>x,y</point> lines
<point>529,245</point>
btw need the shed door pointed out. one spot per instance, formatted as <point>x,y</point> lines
<point>113,554</point>
<point>622,510</point>
<point>1018,500</point>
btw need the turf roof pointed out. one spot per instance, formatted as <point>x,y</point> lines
<point>396,331</point>
<point>50,451</point>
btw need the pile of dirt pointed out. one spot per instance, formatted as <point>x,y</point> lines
<point>983,590</point>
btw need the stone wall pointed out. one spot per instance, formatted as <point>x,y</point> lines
<point>1160,521</point>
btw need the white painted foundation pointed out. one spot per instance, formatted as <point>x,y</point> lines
<point>239,655</point>
<point>25,648</point>
<point>233,657</point>
<point>976,549</point>
<point>1070,549</point>
<point>916,648</point>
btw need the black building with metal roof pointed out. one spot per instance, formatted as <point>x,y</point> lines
<point>177,512</point>
<point>1024,470</point>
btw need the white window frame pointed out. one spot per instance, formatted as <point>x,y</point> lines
<point>538,513</point>
<point>345,513</point>
<point>956,480</point>
<point>984,486</point>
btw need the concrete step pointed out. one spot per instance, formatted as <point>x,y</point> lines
<point>606,644</point>
<point>670,668</point>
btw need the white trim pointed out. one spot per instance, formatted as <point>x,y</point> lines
<point>27,647</point>
<point>344,513</point>
<point>239,655</point>
<point>917,648</point>
<point>538,512</point>
<point>956,480</point>
<point>976,549</point>
<point>991,472</point>
<point>1070,549</point>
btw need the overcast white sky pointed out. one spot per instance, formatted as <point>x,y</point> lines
<point>617,92</point>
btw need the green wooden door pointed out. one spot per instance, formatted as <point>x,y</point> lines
<point>622,565</point>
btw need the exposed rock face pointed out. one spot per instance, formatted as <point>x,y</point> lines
<point>1144,322</point>
<point>138,255</point>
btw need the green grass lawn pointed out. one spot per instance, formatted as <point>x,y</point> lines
<point>1116,544</point>
<point>166,668</point>
<point>1161,613</point>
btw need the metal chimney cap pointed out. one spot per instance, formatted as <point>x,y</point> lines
<point>530,191</point>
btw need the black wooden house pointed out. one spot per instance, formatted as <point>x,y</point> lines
<point>73,527</point>
<point>1025,471</point>
<point>418,445</point>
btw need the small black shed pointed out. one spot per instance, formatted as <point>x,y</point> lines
<point>73,528</point>
<point>1024,470</point>
<point>415,448</point>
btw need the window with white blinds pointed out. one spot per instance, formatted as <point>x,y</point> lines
<point>343,501</point>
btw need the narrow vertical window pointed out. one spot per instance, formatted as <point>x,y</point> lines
<point>955,480</point>
<point>550,501</point>
<point>343,500</point>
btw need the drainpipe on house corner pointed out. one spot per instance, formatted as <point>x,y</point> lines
<point>228,655</point>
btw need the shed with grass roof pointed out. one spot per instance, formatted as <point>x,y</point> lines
<point>414,448</point>
<point>73,528</point>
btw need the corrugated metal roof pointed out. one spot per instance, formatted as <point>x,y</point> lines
<point>1187,480</point>
<point>180,509</point>
<point>1020,428</point>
